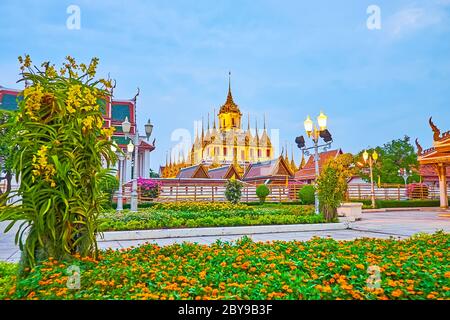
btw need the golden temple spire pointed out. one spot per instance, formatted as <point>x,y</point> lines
<point>229,83</point>
<point>286,157</point>
<point>264,122</point>
<point>214,117</point>
<point>293,165</point>
<point>248,125</point>
<point>208,121</point>
<point>302,162</point>
<point>203,131</point>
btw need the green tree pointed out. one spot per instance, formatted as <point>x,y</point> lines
<point>61,146</point>
<point>332,184</point>
<point>153,174</point>
<point>233,190</point>
<point>394,155</point>
<point>7,132</point>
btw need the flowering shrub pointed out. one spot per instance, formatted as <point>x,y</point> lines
<point>61,146</point>
<point>417,191</point>
<point>149,187</point>
<point>414,268</point>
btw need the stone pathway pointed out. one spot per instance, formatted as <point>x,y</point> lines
<point>401,224</point>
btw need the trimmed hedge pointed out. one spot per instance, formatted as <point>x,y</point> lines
<point>407,203</point>
<point>140,206</point>
<point>307,194</point>
<point>380,204</point>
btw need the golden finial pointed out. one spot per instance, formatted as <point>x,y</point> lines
<point>436,131</point>
<point>264,121</point>
<point>203,131</point>
<point>214,117</point>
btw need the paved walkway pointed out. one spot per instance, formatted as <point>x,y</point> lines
<point>399,224</point>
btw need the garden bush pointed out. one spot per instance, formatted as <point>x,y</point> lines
<point>233,190</point>
<point>262,191</point>
<point>407,203</point>
<point>306,194</point>
<point>321,268</point>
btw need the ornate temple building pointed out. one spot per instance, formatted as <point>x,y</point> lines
<point>438,158</point>
<point>226,142</point>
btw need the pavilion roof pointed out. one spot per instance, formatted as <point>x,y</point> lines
<point>308,172</point>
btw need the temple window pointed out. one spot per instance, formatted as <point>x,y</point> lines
<point>268,153</point>
<point>259,153</point>
<point>224,151</point>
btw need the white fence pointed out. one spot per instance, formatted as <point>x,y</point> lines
<point>215,193</point>
<point>390,192</point>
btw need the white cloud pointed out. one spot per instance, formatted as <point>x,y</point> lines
<point>412,19</point>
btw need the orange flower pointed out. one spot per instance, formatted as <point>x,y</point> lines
<point>360,266</point>
<point>397,293</point>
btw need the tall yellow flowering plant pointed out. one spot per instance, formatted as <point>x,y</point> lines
<point>61,149</point>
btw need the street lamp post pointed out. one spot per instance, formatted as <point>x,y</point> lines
<point>121,157</point>
<point>371,159</point>
<point>315,133</point>
<point>405,174</point>
<point>133,145</point>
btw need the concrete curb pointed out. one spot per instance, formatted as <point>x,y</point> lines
<point>220,231</point>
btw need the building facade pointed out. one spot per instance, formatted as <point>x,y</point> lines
<point>225,142</point>
<point>114,113</point>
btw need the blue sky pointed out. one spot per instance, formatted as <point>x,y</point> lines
<point>288,59</point>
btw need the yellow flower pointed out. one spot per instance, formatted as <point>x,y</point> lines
<point>87,122</point>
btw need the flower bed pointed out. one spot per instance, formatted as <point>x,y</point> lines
<point>415,268</point>
<point>199,214</point>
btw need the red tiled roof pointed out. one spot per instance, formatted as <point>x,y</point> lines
<point>429,174</point>
<point>265,169</point>
<point>308,172</point>
<point>189,172</point>
<point>218,173</point>
<point>221,172</point>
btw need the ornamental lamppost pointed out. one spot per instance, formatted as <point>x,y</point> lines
<point>315,133</point>
<point>133,145</point>
<point>371,159</point>
<point>121,157</point>
<point>405,174</point>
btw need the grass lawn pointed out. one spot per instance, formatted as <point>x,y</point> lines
<point>198,214</point>
<point>415,268</point>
